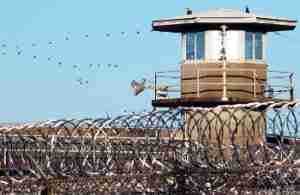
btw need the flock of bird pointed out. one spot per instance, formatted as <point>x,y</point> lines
<point>19,51</point>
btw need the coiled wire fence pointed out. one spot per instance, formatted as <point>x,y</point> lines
<point>240,149</point>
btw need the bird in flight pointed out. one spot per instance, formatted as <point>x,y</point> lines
<point>80,81</point>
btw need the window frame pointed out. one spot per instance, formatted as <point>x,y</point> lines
<point>254,47</point>
<point>190,41</point>
<point>196,52</point>
<point>259,56</point>
<point>249,41</point>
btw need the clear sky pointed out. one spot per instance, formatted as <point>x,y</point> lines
<point>43,43</point>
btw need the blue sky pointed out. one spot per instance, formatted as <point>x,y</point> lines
<point>40,83</point>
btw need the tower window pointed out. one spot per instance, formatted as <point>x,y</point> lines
<point>195,46</point>
<point>249,46</point>
<point>190,46</point>
<point>254,46</point>
<point>258,46</point>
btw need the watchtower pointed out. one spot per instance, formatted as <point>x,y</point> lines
<point>224,62</point>
<point>224,58</point>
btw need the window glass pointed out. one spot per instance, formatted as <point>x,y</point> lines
<point>249,46</point>
<point>258,46</point>
<point>200,45</point>
<point>190,46</point>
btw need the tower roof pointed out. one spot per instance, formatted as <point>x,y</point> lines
<point>212,19</point>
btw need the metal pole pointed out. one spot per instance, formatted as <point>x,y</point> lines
<point>47,191</point>
<point>292,95</point>
<point>198,82</point>
<point>224,97</point>
<point>5,152</point>
<point>224,59</point>
<point>155,83</point>
<point>254,84</point>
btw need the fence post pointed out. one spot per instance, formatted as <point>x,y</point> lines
<point>47,191</point>
<point>181,176</point>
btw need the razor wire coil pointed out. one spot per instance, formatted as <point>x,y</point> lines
<point>221,149</point>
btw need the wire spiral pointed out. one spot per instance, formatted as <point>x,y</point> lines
<point>226,149</point>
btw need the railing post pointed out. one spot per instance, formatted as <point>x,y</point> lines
<point>198,82</point>
<point>254,83</point>
<point>155,84</point>
<point>291,87</point>
<point>224,97</point>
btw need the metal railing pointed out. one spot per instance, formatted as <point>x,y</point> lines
<point>277,84</point>
<point>167,78</point>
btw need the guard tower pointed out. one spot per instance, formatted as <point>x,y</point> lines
<point>224,62</point>
<point>224,58</point>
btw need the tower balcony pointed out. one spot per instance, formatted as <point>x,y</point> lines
<point>207,87</point>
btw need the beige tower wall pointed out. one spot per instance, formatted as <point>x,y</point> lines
<point>205,81</point>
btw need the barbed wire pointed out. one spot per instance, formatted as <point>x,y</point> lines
<point>228,149</point>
